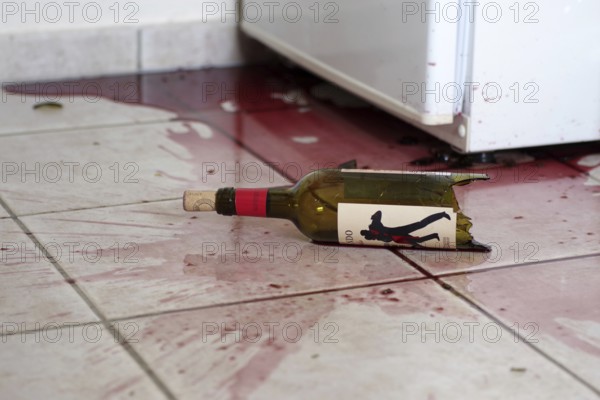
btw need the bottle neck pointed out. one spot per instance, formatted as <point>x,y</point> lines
<point>281,203</point>
<point>270,203</point>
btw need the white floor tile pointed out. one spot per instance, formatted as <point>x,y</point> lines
<point>551,304</point>
<point>155,257</point>
<point>529,213</point>
<point>121,165</point>
<point>18,114</point>
<point>32,292</point>
<point>359,344</point>
<point>71,363</point>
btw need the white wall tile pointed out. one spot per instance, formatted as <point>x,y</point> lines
<point>85,40</point>
<point>196,45</point>
<point>44,55</point>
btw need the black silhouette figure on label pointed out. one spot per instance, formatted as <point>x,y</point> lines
<point>401,234</point>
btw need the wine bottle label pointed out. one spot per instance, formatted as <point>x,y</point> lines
<point>396,225</point>
<point>251,202</point>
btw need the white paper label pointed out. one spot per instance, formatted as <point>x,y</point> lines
<point>395,225</point>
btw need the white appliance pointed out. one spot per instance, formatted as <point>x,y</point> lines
<point>480,75</point>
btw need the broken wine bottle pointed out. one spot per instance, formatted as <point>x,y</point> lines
<point>358,207</point>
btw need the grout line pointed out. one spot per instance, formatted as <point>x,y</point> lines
<point>503,267</point>
<point>419,268</point>
<point>233,303</point>
<point>88,127</point>
<point>473,304</point>
<point>9,213</point>
<point>142,202</point>
<point>102,318</point>
<point>267,299</point>
<point>138,50</point>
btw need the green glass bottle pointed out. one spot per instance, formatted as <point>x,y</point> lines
<point>358,207</point>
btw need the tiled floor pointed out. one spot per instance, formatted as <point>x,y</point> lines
<point>110,290</point>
